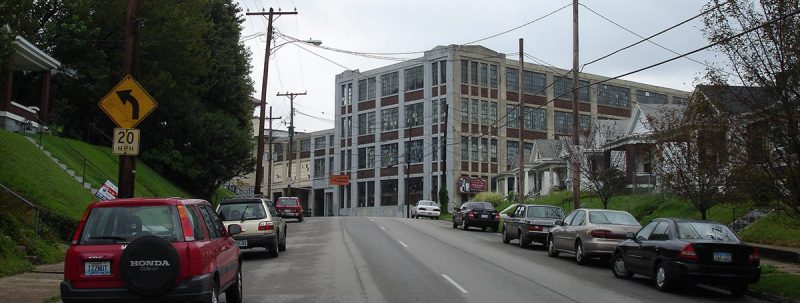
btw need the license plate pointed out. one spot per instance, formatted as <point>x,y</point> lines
<point>241,243</point>
<point>101,268</point>
<point>484,216</point>
<point>723,257</point>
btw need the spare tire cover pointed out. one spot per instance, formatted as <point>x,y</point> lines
<point>149,265</point>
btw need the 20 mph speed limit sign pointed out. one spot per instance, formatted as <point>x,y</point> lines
<point>126,142</point>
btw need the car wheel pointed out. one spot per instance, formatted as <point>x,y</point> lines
<point>506,238</point>
<point>272,250</point>
<point>282,245</point>
<point>464,224</point>
<point>299,219</point>
<point>551,247</point>
<point>149,280</point>
<point>580,257</point>
<point>663,281</point>
<point>523,243</point>
<point>234,293</point>
<point>618,267</point>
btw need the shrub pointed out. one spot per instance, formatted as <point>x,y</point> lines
<point>494,198</point>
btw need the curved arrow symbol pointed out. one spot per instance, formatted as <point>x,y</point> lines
<point>125,96</point>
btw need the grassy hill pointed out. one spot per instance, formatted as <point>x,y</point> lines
<point>62,200</point>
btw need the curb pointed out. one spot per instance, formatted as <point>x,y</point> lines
<point>777,253</point>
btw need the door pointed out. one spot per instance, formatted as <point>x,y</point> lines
<point>652,247</point>
<point>279,222</point>
<point>225,254</point>
<point>634,257</point>
<point>572,230</point>
<point>560,232</point>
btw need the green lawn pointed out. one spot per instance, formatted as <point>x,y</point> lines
<point>774,229</point>
<point>775,282</point>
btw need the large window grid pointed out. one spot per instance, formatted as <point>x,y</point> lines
<point>679,100</point>
<point>415,78</point>
<point>389,192</point>
<point>535,119</point>
<point>474,111</point>
<point>484,74</point>
<point>366,123</point>
<point>366,157</point>
<point>563,122</point>
<point>533,83</point>
<point>319,168</point>
<point>485,112</point>
<point>464,148</point>
<point>389,155</point>
<point>389,119</point>
<point>613,95</point>
<point>435,73</point>
<point>435,149</point>
<point>443,72</point>
<point>473,73</point>
<point>347,127</point>
<point>512,79</point>
<point>366,194</point>
<point>347,94</point>
<point>646,97</point>
<point>305,145</point>
<point>493,76</point>
<point>415,114</point>
<point>512,116</point>
<point>464,71</point>
<point>389,84</point>
<point>435,111</point>
<point>512,153</point>
<point>484,150</point>
<point>474,149</point>
<point>493,113</point>
<point>414,151</point>
<point>319,142</point>
<point>562,88</point>
<point>464,110</point>
<point>493,150</point>
<point>366,89</point>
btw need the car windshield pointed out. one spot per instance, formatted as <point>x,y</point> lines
<point>545,212</point>
<point>706,231</point>
<point>106,225</point>
<point>287,202</point>
<point>241,211</point>
<point>612,217</point>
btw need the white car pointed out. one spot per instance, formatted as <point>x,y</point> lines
<point>426,208</point>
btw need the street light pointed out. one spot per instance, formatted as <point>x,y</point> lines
<point>260,147</point>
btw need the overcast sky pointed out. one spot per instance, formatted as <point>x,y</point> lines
<point>419,25</point>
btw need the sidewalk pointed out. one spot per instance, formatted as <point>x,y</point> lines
<point>32,287</point>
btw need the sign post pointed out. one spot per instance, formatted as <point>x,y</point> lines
<point>127,104</point>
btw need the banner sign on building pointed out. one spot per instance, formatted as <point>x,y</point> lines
<point>107,192</point>
<point>469,185</point>
<point>339,180</point>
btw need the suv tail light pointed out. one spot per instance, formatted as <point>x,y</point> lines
<point>497,216</point>
<point>755,256</point>
<point>266,225</point>
<point>600,233</point>
<point>186,225</point>
<point>470,214</point>
<point>688,253</point>
<point>77,233</point>
<point>535,228</point>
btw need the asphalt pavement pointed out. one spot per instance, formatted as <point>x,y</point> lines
<point>358,259</point>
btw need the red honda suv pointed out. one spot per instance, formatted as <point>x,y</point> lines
<point>290,207</point>
<point>152,249</point>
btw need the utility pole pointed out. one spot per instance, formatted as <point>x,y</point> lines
<point>127,164</point>
<point>271,154</point>
<point>260,147</point>
<point>291,139</point>
<point>443,152</point>
<point>521,114</point>
<point>576,179</point>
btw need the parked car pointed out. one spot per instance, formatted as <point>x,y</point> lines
<point>153,249</point>
<point>476,214</point>
<point>510,209</point>
<point>530,223</point>
<point>290,207</point>
<point>426,208</point>
<point>590,233</point>
<point>261,225</point>
<point>671,251</point>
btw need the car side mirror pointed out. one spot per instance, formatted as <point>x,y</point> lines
<point>559,222</point>
<point>234,229</point>
<point>630,235</point>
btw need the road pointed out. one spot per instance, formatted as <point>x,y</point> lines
<point>355,259</point>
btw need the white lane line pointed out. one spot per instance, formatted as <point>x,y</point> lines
<point>370,220</point>
<point>384,228</point>
<point>455,284</point>
<point>401,243</point>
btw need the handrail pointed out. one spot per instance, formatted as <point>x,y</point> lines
<point>36,224</point>
<point>19,197</point>
<point>79,154</point>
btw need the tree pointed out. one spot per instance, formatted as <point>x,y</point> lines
<point>765,58</point>
<point>191,62</point>
<point>691,153</point>
<point>444,200</point>
<point>601,170</point>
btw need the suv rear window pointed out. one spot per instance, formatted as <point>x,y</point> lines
<point>106,225</point>
<point>241,211</point>
<point>287,202</point>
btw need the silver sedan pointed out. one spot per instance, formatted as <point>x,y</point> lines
<point>589,233</point>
